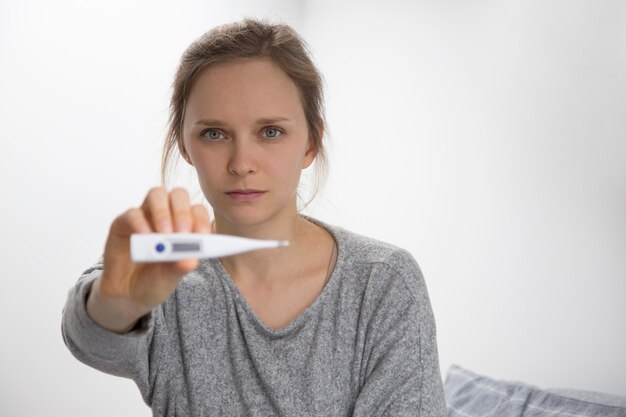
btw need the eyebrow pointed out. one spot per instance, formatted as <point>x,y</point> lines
<point>261,121</point>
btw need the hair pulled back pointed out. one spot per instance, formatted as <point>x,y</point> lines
<point>249,38</point>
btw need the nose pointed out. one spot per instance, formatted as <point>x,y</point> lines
<point>242,159</point>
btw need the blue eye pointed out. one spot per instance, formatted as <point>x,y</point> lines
<point>212,134</point>
<point>272,132</point>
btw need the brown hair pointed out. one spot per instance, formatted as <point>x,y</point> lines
<point>250,38</point>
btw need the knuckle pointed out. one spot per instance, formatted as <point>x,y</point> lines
<point>179,191</point>
<point>156,192</point>
<point>135,218</point>
<point>199,209</point>
<point>201,214</point>
<point>181,213</point>
<point>131,220</point>
<point>157,189</point>
<point>132,213</point>
<point>125,217</point>
<point>160,216</point>
<point>179,196</point>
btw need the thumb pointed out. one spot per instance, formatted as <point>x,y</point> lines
<point>183,267</point>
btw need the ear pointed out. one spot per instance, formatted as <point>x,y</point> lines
<point>311,152</point>
<point>183,152</point>
<point>309,155</point>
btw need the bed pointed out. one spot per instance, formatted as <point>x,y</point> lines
<point>469,394</point>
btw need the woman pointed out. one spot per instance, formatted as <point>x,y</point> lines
<point>334,324</point>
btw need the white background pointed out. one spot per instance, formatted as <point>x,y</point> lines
<point>487,137</point>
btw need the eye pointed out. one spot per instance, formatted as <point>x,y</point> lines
<point>272,132</point>
<point>212,134</point>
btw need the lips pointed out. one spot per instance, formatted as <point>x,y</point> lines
<point>245,195</point>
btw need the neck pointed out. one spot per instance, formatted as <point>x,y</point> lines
<point>286,227</point>
<point>263,264</point>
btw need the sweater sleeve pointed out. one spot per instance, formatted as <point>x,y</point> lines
<point>401,374</point>
<point>125,355</point>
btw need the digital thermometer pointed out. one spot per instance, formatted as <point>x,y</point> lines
<point>167,247</point>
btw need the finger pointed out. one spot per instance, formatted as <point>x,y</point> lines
<point>157,210</point>
<point>181,210</point>
<point>201,219</point>
<point>185,266</point>
<point>132,221</point>
<point>137,222</point>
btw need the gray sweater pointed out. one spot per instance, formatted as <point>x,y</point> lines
<point>365,347</point>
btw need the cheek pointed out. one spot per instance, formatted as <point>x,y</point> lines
<point>203,160</point>
<point>287,165</point>
<point>291,173</point>
<point>209,184</point>
<point>207,170</point>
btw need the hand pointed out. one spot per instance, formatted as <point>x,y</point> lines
<point>126,291</point>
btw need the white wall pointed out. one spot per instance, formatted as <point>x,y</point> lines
<point>489,138</point>
<point>486,137</point>
<point>84,91</point>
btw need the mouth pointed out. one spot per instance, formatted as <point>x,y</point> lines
<point>245,195</point>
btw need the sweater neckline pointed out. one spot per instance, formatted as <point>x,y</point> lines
<point>300,321</point>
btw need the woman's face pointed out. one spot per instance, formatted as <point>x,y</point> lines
<point>245,133</point>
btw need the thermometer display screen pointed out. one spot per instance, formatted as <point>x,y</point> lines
<point>186,247</point>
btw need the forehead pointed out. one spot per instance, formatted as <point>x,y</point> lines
<point>244,88</point>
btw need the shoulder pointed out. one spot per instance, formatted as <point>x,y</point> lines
<point>389,263</point>
<point>358,248</point>
<point>363,249</point>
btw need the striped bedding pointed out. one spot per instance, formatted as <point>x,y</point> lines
<point>472,395</point>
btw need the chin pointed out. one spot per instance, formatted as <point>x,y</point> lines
<point>245,217</point>
<point>250,216</point>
